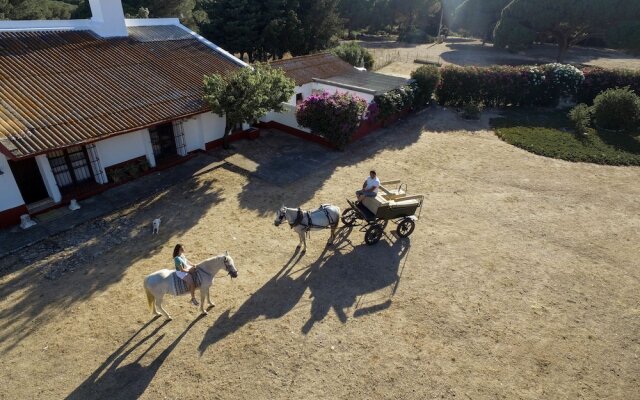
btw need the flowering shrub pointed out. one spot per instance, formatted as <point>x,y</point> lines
<point>597,80</point>
<point>332,116</point>
<point>565,78</point>
<point>500,86</point>
<point>394,101</point>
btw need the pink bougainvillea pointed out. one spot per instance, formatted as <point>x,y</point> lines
<point>333,116</point>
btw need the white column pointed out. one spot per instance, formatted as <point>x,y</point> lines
<point>148,147</point>
<point>48,178</point>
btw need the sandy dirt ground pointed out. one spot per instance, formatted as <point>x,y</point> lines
<point>521,281</point>
<point>398,58</point>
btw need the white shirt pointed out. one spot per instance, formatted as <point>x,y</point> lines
<point>371,182</point>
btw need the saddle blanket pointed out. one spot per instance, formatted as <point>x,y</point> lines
<point>180,286</point>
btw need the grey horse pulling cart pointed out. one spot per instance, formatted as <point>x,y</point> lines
<point>374,213</point>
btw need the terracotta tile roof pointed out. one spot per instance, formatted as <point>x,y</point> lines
<point>304,69</point>
<point>69,87</point>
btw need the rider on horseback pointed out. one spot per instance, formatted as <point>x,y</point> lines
<point>184,269</point>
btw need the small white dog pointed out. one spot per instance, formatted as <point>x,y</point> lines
<point>156,226</point>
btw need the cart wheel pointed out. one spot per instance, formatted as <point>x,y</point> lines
<point>374,234</point>
<point>383,223</point>
<point>349,217</point>
<point>405,227</point>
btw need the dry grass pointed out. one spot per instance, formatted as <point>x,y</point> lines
<point>520,281</point>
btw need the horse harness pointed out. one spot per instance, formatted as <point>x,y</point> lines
<point>307,227</point>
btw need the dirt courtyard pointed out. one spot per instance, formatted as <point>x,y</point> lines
<point>521,281</point>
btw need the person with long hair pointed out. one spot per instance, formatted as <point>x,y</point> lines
<point>183,268</point>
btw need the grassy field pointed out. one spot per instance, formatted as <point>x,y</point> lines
<point>551,134</point>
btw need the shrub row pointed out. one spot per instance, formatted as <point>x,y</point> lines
<point>499,86</point>
<point>597,80</point>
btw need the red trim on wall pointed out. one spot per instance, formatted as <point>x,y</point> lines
<point>11,216</point>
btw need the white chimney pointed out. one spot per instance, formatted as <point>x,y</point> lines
<point>107,18</point>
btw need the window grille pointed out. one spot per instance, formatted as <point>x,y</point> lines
<point>98,172</point>
<point>70,166</point>
<point>181,143</point>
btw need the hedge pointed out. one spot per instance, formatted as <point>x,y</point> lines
<point>597,80</point>
<point>500,86</point>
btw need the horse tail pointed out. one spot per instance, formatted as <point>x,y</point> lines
<point>150,297</point>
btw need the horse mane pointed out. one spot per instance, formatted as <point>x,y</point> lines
<point>206,260</point>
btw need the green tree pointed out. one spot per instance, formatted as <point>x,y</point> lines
<point>479,17</point>
<point>354,54</point>
<point>319,26</point>
<point>356,13</point>
<point>567,22</point>
<point>247,95</point>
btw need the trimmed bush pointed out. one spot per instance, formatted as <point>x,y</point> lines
<point>354,54</point>
<point>580,115</point>
<point>426,80</point>
<point>415,35</point>
<point>394,101</point>
<point>597,80</point>
<point>471,110</point>
<point>333,116</point>
<point>500,86</point>
<point>617,109</point>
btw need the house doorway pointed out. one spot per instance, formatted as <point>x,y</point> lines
<point>163,141</point>
<point>29,180</point>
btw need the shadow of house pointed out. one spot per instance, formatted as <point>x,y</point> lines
<point>92,241</point>
<point>116,380</point>
<point>336,280</point>
<point>284,160</point>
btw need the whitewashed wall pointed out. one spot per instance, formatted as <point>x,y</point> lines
<point>202,129</point>
<point>212,126</point>
<point>286,117</point>
<point>11,196</point>
<point>122,148</point>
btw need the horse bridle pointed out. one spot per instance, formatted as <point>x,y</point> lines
<point>227,266</point>
<point>282,216</point>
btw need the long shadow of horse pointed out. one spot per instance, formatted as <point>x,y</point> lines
<point>336,280</point>
<point>116,380</point>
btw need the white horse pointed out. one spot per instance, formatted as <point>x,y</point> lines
<point>326,216</point>
<point>159,283</point>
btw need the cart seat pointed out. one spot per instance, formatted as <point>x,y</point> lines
<point>404,203</point>
<point>373,203</point>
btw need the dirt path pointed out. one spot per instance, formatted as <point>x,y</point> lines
<point>521,280</point>
<point>398,58</point>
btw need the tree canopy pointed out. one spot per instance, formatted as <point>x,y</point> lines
<point>479,17</point>
<point>248,94</point>
<point>567,22</point>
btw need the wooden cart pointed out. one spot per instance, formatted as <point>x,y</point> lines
<point>392,203</point>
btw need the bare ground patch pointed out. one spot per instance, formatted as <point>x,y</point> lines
<point>520,281</point>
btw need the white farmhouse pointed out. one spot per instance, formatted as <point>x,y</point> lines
<point>83,100</point>
<point>325,72</point>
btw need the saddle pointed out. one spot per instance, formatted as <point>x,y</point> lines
<point>181,287</point>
